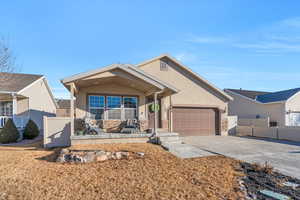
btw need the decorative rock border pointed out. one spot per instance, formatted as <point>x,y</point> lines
<point>88,156</point>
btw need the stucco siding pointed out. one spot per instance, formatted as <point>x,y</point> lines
<point>113,89</point>
<point>40,102</point>
<point>191,89</point>
<point>246,108</point>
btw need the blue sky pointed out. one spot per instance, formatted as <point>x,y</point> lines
<point>249,44</point>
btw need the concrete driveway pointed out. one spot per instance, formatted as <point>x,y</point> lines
<point>282,155</point>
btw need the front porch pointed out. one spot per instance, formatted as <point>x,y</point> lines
<point>109,99</point>
<point>15,107</point>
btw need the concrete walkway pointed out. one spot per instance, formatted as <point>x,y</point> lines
<point>284,156</point>
<point>187,151</point>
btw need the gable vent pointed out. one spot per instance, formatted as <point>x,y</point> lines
<point>163,66</point>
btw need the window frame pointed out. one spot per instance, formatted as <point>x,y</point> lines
<point>96,108</point>
<point>135,109</point>
<point>106,108</point>
<point>6,108</point>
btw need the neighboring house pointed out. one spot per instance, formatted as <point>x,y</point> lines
<point>23,97</point>
<point>188,104</point>
<point>63,109</point>
<point>282,107</point>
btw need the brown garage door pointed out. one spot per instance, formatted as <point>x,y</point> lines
<point>195,121</point>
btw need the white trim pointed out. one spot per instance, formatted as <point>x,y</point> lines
<point>87,73</point>
<point>293,96</point>
<point>6,92</point>
<point>189,70</point>
<point>50,92</point>
<point>125,67</point>
<point>254,101</point>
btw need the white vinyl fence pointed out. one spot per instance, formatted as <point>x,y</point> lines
<point>282,133</point>
<point>260,122</point>
<point>232,124</point>
<point>57,132</point>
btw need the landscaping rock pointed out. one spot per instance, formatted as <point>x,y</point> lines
<point>88,156</point>
<point>260,179</point>
<point>140,154</point>
<point>101,158</point>
<point>118,155</point>
<point>64,151</point>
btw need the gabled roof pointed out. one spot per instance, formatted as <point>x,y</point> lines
<point>247,93</point>
<point>277,96</point>
<point>15,82</point>
<point>188,70</point>
<point>63,103</point>
<point>127,68</point>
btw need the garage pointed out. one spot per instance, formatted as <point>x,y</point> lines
<point>195,121</point>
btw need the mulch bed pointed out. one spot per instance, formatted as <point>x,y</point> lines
<point>259,177</point>
<point>32,173</point>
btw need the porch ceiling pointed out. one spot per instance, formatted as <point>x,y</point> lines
<point>8,97</point>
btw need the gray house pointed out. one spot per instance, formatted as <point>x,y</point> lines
<point>24,97</point>
<point>282,107</point>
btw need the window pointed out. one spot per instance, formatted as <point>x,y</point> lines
<point>6,108</point>
<point>114,107</point>
<point>96,107</point>
<point>130,107</point>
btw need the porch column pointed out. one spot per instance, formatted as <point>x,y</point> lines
<point>72,108</point>
<point>155,114</point>
<point>15,107</point>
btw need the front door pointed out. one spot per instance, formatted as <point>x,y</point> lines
<point>151,114</point>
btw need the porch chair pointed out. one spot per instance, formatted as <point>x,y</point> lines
<point>131,126</point>
<point>92,128</point>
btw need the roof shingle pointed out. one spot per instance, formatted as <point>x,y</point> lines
<point>14,82</point>
<point>248,93</point>
<point>277,96</point>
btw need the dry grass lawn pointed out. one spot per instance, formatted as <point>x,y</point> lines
<point>30,173</point>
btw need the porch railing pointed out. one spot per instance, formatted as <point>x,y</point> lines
<point>20,122</point>
<point>3,120</point>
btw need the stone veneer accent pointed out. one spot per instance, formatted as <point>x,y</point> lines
<point>144,125</point>
<point>224,125</point>
<point>115,126</point>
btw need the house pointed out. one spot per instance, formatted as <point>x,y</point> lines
<point>63,109</point>
<point>282,107</point>
<point>24,97</point>
<point>185,102</point>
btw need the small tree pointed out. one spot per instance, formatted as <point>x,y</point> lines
<point>31,130</point>
<point>9,133</point>
<point>7,62</point>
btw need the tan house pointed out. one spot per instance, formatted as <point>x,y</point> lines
<point>282,107</point>
<point>24,97</point>
<point>185,102</point>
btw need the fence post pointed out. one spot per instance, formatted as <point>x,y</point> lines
<point>45,131</point>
